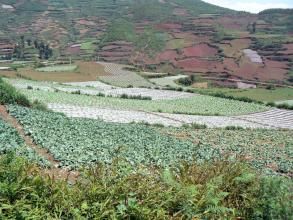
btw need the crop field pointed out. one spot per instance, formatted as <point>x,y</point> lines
<point>122,78</point>
<point>98,88</point>
<point>60,68</point>
<point>86,71</point>
<point>83,142</point>
<point>267,150</point>
<point>10,141</point>
<point>175,120</point>
<point>273,118</point>
<point>167,81</point>
<point>80,142</point>
<point>200,104</point>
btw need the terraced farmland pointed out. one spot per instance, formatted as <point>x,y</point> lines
<point>129,116</point>
<point>98,88</point>
<point>122,78</point>
<point>274,118</point>
<point>196,105</point>
<point>79,142</point>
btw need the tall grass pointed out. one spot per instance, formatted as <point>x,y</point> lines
<point>221,190</point>
<point>9,95</point>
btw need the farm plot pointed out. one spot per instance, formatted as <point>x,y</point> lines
<point>267,150</point>
<point>86,71</point>
<point>168,81</point>
<point>196,105</point>
<point>152,93</point>
<point>122,78</point>
<point>274,118</point>
<point>129,116</point>
<point>213,121</point>
<point>57,68</point>
<point>10,141</point>
<point>111,115</point>
<point>82,142</point>
<point>94,84</point>
<point>96,88</point>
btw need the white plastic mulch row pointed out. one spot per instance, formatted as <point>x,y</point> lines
<point>95,84</point>
<point>110,115</point>
<point>96,87</point>
<point>128,116</point>
<point>153,93</point>
<point>277,118</point>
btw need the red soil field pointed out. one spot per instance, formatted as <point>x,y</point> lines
<point>86,22</point>
<point>114,54</point>
<point>201,50</point>
<point>196,65</point>
<point>169,26</point>
<point>73,50</point>
<point>167,55</point>
<point>275,64</point>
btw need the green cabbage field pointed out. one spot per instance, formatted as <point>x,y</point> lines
<point>83,142</point>
<point>10,141</point>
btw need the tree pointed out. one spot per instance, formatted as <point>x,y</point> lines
<point>36,44</point>
<point>254,27</point>
<point>29,42</point>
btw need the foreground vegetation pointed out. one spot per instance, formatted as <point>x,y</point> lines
<point>220,190</point>
<point>9,95</point>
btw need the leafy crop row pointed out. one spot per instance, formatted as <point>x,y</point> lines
<point>10,141</point>
<point>267,150</point>
<point>82,142</point>
<point>79,142</point>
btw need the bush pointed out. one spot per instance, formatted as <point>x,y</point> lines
<point>39,106</point>
<point>9,95</point>
<point>219,190</point>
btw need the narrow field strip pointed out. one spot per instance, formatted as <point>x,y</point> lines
<point>54,171</point>
<point>278,118</point>
<point>95,88</point>
<point>128,116</point>
<point>111,115</point>
<point>121,77</point>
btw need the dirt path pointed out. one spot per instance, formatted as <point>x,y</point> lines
<point>55,171</point>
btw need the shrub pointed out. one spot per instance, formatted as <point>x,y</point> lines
<point>39,106</point>
<point>9,95</point>
<point>219,190</point>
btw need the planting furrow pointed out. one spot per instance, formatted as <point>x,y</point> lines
<point>275,118</point>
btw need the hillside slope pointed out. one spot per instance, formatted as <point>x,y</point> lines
<point>190,36</point>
